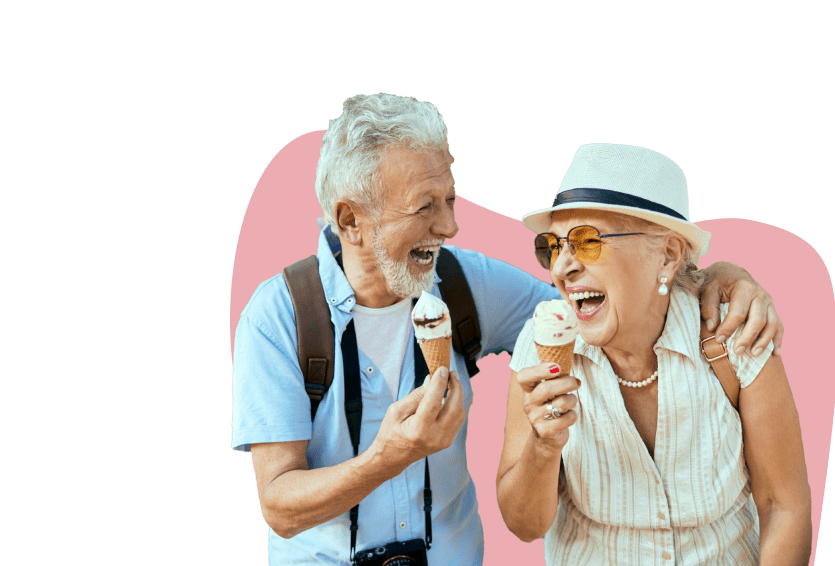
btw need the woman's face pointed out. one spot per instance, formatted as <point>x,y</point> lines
<point>623,280</point>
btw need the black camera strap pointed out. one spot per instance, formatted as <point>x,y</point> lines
<point>353,412</point>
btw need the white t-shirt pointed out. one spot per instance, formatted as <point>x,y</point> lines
<point>382,335</point>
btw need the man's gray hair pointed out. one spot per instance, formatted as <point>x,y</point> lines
<point>353,146</point>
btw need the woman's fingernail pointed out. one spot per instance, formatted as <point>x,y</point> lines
<point>710,324</point>
<point>739,350</point>
<point>554,368</point>
<point>720,339</point>
<point>776,351</point>
<point>579,383</point>
<point>758,351</point>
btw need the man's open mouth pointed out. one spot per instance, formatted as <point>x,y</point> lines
<point>587,302</point>
<point>424,255</point>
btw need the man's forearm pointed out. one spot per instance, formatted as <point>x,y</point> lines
<point>301,499</point>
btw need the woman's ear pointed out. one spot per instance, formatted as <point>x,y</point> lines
<point>673,253</point>
<point>348,221</point>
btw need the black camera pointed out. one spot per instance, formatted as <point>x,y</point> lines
<point>406,553</point>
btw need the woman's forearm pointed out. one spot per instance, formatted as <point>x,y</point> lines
<point>785,536</point>
<point>528,493</point>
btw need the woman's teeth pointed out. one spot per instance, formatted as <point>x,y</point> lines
<point>584,295</point>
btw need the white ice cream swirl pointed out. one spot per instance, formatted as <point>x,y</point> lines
<point>431,318</point>
<point>554,323</point>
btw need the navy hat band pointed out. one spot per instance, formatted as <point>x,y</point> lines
<point>605,196</point>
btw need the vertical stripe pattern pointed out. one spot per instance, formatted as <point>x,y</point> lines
<point>692,503</point>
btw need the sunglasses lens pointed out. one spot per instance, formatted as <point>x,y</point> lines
<point>586,242</point>
<point>542,245</point>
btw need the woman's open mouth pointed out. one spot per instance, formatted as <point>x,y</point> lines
<point>587,303</point>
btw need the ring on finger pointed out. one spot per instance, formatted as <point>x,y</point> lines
<point>553,412</point>
<point>550,414</point>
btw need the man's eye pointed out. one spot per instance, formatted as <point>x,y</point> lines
<point>424,208</point>
<point>451,200</point>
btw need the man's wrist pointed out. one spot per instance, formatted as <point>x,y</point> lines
<point>378,465</point>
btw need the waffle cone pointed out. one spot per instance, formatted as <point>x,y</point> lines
<point>563,356</point>
<point>436,352</point>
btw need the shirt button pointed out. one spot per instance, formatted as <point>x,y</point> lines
<point>350,300</point>
<point>333,299</point>
<point>666,556</point>
<point>370,369</point>
<point>403,524</point>
<point>661,516</point>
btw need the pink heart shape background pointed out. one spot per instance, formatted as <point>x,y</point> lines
<point>280,228</point>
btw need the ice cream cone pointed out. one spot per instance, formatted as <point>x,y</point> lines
<point>563,356</point>
<point>436,352</point>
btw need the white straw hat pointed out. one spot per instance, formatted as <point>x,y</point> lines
<point>631,180</point>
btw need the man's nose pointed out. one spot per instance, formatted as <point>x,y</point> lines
<point>445,225</point>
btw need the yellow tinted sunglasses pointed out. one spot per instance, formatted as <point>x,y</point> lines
<point>584,243</point>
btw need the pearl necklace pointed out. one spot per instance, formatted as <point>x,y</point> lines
<point>647,381</point>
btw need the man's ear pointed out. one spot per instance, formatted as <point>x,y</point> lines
<point>348,219</point>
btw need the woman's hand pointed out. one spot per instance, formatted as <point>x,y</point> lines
<point>527,482</point>
<point>541,389</point>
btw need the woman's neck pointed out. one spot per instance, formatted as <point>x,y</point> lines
<point>631,351</point>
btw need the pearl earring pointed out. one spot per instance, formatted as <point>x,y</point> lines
<point>662,290</point>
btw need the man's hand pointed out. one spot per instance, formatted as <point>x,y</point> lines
<point>422,423</point>
<point>749,303</point>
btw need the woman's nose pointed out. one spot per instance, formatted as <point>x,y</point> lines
<point>564,264</point>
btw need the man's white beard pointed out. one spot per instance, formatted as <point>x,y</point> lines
<point>401,282</point>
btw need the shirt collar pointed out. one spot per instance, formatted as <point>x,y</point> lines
<point>337,289</point>
<point>681,332</point>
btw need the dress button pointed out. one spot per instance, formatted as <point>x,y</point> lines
<point>402,524</point>
<point>333,299</point>
<point>666,556</point>
<point>350,301</point>
<point>661,516</point>
<point>370,369</point>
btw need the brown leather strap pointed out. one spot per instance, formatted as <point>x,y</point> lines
<point>455,292</point>
<point>313,326</point>
<point>717,355</point>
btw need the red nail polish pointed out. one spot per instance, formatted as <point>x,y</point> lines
<point>554,369</point>
<point>579,383</point>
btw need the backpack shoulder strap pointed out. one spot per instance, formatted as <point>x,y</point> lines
<point>314,328</point>
<point>717,355</point>
<point>455,292</point>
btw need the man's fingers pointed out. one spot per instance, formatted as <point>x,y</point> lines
<point>453,403</point>
<point>755,325</point>
<point>709,302</point>
<point>736,316</point>
<point>778,336</point>
<point>408,405</point>
<point>433,393</point>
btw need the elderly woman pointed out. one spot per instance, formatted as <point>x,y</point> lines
<point>639,456</point>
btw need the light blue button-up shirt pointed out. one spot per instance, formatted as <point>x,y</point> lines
<point>271,405</point>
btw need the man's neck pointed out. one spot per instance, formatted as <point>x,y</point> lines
<point>367,281</point>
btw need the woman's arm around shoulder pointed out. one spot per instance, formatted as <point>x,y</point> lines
<point>774,454</point>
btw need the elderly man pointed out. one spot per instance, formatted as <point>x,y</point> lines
<point>387,192</point>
